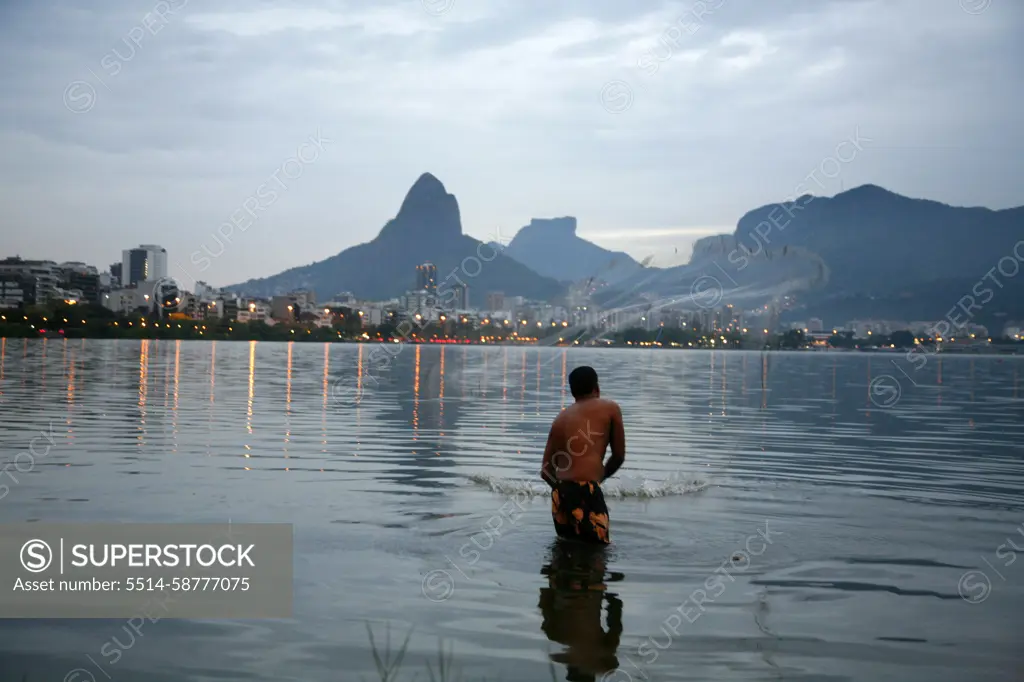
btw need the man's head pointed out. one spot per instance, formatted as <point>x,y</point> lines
<point>583,383</point>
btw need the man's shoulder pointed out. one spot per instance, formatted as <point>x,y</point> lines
<point>609,406</point>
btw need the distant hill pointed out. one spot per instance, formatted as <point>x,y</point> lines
<point>552,248</point>
<point>895,256</point>
<point>864,253</point>
<point>875,240</point>
<point>714,278</point>
<point>427,227</point>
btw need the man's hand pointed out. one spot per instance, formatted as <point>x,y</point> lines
<point>547,467</point>
<point>549,479</point>
<point>617,440</point>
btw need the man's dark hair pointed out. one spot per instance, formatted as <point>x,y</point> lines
<point>582,381</point>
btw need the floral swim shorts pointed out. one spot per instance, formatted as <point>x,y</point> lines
<point>579,511</point>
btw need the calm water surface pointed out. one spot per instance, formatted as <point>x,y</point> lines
<point>827,534</point>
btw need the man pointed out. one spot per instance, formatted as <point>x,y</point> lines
<point>573,463</point>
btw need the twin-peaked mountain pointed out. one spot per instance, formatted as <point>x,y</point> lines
<point>428,227</point>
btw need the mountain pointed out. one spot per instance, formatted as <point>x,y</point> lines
<point>864,253</point>
<point>552,248</point>
<point>894,257</point>
<point>876,240</point>
<point>720,273</point>
<point>427,228</point>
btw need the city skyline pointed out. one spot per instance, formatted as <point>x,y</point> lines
<point>33,285</point>
<point>652,126</point>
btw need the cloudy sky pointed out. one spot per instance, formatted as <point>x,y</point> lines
<point>655,123</point>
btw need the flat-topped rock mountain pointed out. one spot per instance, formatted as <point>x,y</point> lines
<point>551,247</point>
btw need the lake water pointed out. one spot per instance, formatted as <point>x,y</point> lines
<point>837,516</point>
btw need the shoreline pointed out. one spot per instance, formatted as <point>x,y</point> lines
<point>1001,349</point>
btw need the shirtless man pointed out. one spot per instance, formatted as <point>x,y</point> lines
<point>574,464</point>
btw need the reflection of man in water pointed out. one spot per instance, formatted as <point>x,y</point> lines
<point>572,606</point>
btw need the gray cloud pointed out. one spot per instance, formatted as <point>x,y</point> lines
<point>502,101</point>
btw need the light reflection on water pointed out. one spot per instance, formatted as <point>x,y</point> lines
<point>403,488</point>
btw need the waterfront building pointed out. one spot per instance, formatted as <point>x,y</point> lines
<point>495,301</point>
<point>43,277</point>
<point>146,262</point>
<point>16,291</point>
<point>255,310</point>
<point>83,278</point>
<point>426,277</point>
<point>459,299</point>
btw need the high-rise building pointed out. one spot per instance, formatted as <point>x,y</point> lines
<point>115,275</point>
<point>16,291</point>
<point>82,278</point>
<point>426,277</point>
<point>44,276</point>
<point>815,324</point>
<point>495,301</point>
<point>705,321</point>
<point>147,262</point>
<point>460,298</point>
<point>773,317</point>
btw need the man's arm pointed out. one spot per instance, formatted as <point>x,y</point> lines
<point>617,440</point>
<point>547,471</point>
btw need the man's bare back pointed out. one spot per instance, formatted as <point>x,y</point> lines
<point>579,437</point>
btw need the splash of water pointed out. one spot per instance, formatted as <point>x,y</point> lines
<point>625,487</point>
